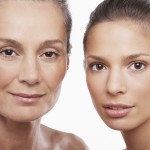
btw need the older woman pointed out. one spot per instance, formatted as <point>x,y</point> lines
<point>34,47</point>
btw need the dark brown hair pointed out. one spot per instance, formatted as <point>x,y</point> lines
<point>111,10</point>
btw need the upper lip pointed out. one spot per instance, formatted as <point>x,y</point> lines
<point>117,106</point>
<point>24,95</point>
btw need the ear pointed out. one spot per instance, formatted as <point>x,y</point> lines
<point>69,48</point>
<point>84,64</point>
<point>68,59</point>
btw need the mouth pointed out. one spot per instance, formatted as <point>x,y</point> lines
<point>27,98</point>
<point>117,110</point>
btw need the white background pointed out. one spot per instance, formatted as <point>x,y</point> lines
<point>74,111</point>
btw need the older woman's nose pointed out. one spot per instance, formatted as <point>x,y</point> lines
<point>29,71</point>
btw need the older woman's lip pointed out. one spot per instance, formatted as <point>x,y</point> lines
<point>27,98</point>
<point>117,110</point>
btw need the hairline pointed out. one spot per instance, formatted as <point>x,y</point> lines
<point>139,23</point>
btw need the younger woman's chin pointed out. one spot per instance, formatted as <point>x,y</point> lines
<point>119,126</point>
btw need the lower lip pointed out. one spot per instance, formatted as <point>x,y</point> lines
<point>26,100</point>
<point>117,113</point>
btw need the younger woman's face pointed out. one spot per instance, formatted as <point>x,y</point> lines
<point>117,60</point>
<point>33,58</point>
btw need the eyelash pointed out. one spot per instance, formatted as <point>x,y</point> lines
<point>8,53</point>
<point>140,64</point>
<point>49,55</point>
<point>94,66</point>
<point>100,66</point>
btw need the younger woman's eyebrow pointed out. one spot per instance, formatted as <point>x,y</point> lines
<point>133,56</point>
<point>97,58</point>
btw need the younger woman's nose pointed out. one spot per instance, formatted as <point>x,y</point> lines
<point>116,83</point>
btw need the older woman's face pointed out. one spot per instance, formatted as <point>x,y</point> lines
<point>33,58</point>
<point>117,61</point>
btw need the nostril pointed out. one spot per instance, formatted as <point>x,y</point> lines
<point>29,73</point>
<point>116,84</point>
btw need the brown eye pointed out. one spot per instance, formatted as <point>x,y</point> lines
<point>137,66</point>
<point>8,52</point>
<point>98,67</point>
<point>49,54</point>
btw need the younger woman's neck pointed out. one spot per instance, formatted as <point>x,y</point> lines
<point>16,136</point>
<point>138,139</point>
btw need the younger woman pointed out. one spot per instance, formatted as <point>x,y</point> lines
<point>117,61</point>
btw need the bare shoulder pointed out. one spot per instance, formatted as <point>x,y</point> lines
<point>63,141</point>
<point>73,142</point>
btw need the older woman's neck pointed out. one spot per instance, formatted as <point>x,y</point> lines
<point>18,136</point>
<point>138,139</point>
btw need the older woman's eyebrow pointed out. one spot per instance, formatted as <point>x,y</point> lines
<point>11,42</point>
<point>48,43</point>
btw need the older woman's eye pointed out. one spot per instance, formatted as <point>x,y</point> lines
<point>8,54</point>
<point>50,54</point>
<point>137,66</point>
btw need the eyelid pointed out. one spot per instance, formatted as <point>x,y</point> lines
<point>49,49</point>
<point>54,49</point>
<point>8,54</point>
<point>4,48</point>
<point>91,65</point>
<point>140,62</point>
<point>54,53</point>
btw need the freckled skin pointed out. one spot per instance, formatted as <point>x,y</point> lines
<point>33,63</point>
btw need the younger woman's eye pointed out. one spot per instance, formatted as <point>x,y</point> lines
<point>137,66</point>
<point>98,67</point>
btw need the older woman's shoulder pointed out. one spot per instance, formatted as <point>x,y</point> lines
<point>64,141</point>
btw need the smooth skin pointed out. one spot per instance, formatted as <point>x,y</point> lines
<point>117,61</point>
<point>33,63</point>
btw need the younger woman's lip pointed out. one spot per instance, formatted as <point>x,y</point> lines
<point>117,110</point>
